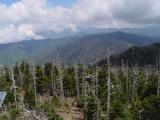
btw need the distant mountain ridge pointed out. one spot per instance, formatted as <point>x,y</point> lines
<point>72,49</point>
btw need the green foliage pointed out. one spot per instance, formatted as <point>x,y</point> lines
<point>14,113</point>
<point>30,97</point>
<point>91,108</point>
<point>9,97</point>
<point>69,81</point>
<point>50,112</point>
<point>80,101</point>
<point>42,82</point>
<point>4,116</point>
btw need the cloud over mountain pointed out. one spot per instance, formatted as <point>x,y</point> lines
<point>26,19</point>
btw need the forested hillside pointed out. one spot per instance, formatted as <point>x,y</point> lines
<point>140,56</point>
<point>81,92</point>
<point>71,49</point>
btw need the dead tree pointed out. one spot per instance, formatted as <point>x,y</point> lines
<point>135,80</point>
<point>1,70</point>
<point>158,88</point>
<point>108,86</point>
<point>84,88</point>
<point>60,77</point>
<point>20,75</point>
<point>22,103</point>
<point>14,86</point>
<point>158,74</point>
<point>140,114</point>
<point>77,80</point>
<point>53,82</point>
<point>34,82</point>
<point>118,86</point>
<point>61,82</point>
<point>97,90</point>
<point>43,69</point>
<point>127,79</point>
<point>146,75</point>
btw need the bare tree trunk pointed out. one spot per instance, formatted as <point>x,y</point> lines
<point>14,86</point>
<point>97,98</point>
<point>53,83</point>
<point>84,90</point>
<point>146,75</point>
<point>140,114</point>
<point>77,80</point>
<point>134,87</point>
<point>22,102</point>
<point>108,86</point>
<point>158,74</point>
<point>20,76</point>
<point>43,69</point>
<point>127,81</point>
<point>34,80</point>
<point>1,70</point>
<point>158,88</point>
<point>117,80</point>
<point>61,83</point>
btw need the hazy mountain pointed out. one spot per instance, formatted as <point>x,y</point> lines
<point>72,49</point>
<point>96,44</point>
<point>150,31</point>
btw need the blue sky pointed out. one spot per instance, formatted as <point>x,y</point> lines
<point>65,3</point>
<point>7,2</point>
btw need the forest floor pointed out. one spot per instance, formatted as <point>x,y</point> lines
<point>70,112</point>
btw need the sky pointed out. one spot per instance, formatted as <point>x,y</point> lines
<point>65,3</point>
<point>27,19</point>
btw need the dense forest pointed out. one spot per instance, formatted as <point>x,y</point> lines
<point>81,92</point>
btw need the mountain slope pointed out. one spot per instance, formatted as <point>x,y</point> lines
<point>88,46</point>
<point>140,56</point>
<point>71,49</point>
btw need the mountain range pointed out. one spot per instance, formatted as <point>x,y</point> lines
<point>68,50</point>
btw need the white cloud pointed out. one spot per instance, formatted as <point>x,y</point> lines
<point>13,34</point>
<point>26,18</point>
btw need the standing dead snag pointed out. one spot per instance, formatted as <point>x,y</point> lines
<point>158,88</point>
<point>60,78</point>
<point>85,89</point>
<point>22,103</point>
<point>135,80</point>
<point>61,82</point>
<point>34,80</point>
<point>127,79</point>
<point>146,74</point>
<point>97,82</point>
<point>53,82</point>
<point>77,80</point>
<point>14,86</point>
<point>20,76</point>
<point>158,74</point>
<point>108,86</point>
<point>1,70</point>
